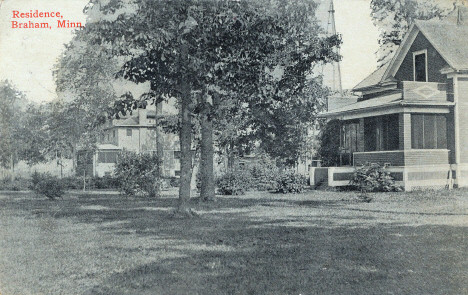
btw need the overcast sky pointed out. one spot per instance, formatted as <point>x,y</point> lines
<point>27,56</point>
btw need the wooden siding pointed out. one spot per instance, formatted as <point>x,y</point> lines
<point>423,90</point>
<point>435,62</point>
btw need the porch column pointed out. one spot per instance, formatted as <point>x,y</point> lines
<point>360,136</point>
<point>404,131</point>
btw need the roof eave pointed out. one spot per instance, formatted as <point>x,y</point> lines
<point>399,57</point>
<point>403,103</point>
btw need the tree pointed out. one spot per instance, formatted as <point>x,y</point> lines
<point>394,17</point>
<point>33,134</point>
<point>329,149</point>
<point>190,48</point>
<point>84,76</point>
<point>12,104</point>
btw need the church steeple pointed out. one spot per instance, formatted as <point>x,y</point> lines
<point>336,65</point>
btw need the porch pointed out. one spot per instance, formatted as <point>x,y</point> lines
<point>408,177</point>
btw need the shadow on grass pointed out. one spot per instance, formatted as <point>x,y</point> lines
<point>233,253</point>
<point>305,260</point>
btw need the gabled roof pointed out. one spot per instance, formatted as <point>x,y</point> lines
<point>449,39</point>
<point>132,121</point>
<point>448,36</point>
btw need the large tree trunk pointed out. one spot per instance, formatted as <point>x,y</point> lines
<point>185,139</point>
<point>207,190</point>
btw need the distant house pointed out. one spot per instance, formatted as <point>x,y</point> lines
<point>136,132</point>
<point>412,113</point>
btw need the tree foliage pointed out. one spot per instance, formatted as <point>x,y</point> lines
<point>84,76</point>
<point>250,58</point>
<point>12,105</point>
<point>329,138</point>
<point>394,17</point>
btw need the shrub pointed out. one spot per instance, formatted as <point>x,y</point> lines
<point>234,182</point>
<point>18,184</point>
<point>72,182</point>
<point>105,182</point>
<point>138,174</point>
<point>44,184</point>
<point>264,175</point>
<point>373,178</point>
<point>290,182</point>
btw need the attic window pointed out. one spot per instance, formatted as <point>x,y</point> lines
<point>420,65</point>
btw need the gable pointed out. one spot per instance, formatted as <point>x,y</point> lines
<point>435,62</point>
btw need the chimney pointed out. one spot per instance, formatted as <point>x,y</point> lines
<point>142,117</point>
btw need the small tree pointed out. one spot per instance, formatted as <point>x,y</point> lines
<point>138,174</point>
<point>330,144</point>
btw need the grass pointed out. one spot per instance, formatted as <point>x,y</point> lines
<point>259,243</point>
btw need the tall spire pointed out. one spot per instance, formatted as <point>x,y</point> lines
<point>336,65</point>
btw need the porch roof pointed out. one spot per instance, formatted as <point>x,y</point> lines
<point>108,146</point>
<point>387,104</point>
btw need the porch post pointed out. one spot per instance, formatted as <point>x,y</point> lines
<point>360,136</point>
<point>404,131</point>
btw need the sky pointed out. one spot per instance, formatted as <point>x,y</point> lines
<point>28,56</point>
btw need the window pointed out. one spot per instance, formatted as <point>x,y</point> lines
<point>349,136</point>
<point>107,157</point>
<point>113,133</point>
<point>420,65</point>
<point>129,132</point>
<point>381,133</point>
<point>176,154</point>
<point>428,131</point>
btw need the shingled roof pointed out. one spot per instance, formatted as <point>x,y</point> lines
<point>449,39</point>
<point>373,79</point>
<point>448,36</point>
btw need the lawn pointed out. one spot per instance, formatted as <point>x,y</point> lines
<point>318,242</point>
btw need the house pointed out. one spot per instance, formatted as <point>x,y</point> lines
<point>136,132</point>
<point>412,113</point>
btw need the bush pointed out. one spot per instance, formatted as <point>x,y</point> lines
<point>138,174</point>
<point>290,182</point>
<point>234,182</point>
<point>19,184</point>
<point>264,175</point>
<point>44,184</point>
<point>373,178</point>
<point>105,182</point>
<point>72,182</point>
